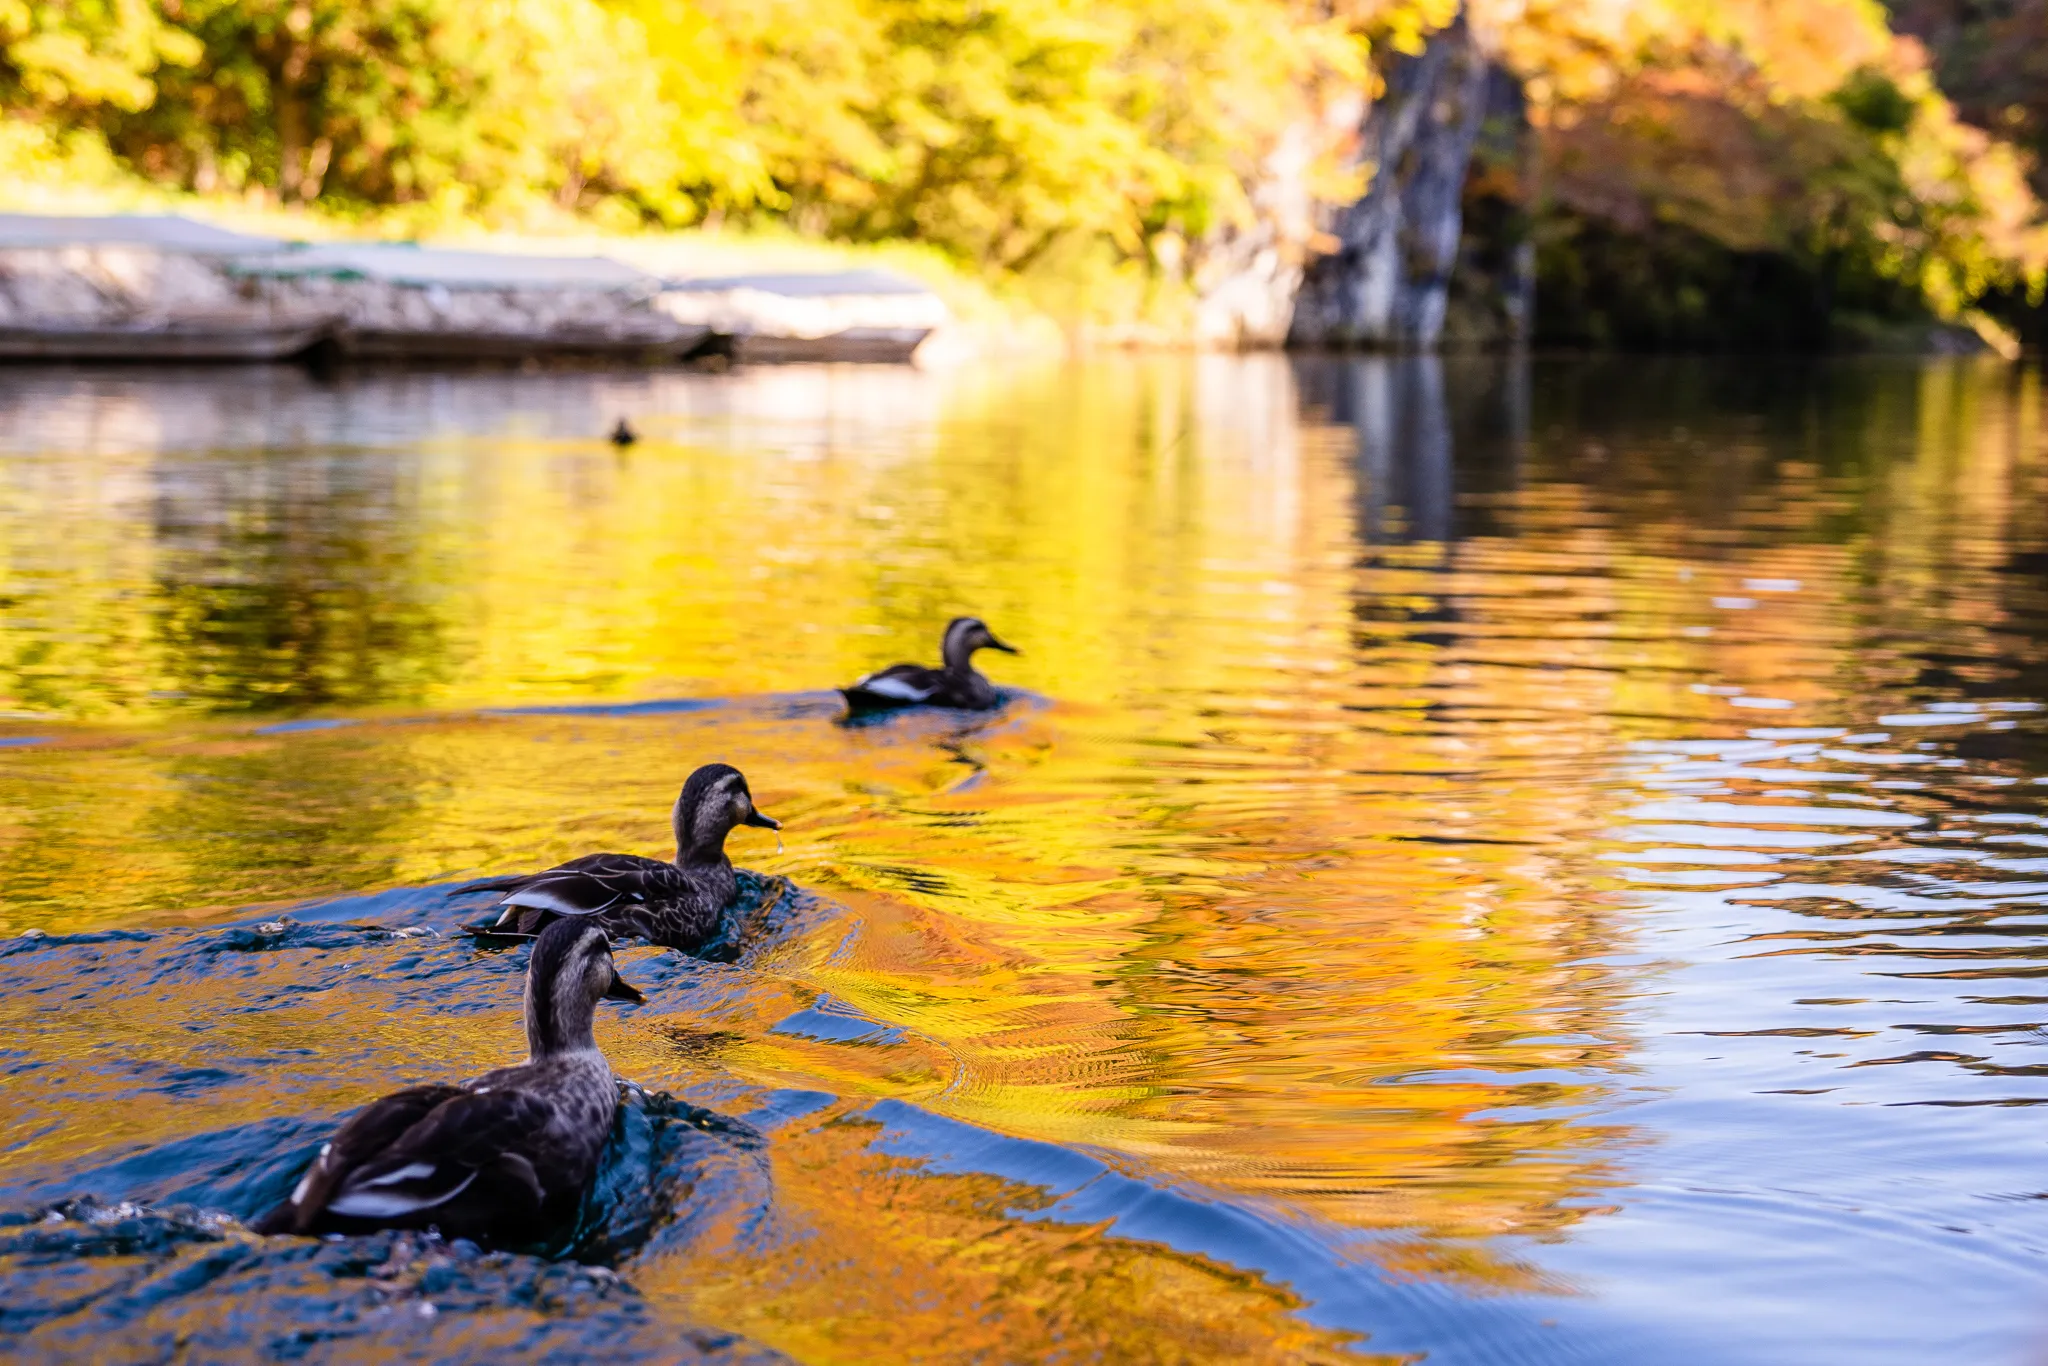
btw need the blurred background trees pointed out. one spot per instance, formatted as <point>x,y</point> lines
<point>1772,170</point>
<point>1659,172</point>
<point>1991,57</point>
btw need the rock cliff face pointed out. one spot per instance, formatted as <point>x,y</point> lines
<point>1387,283</point>
<point>1436,251</point>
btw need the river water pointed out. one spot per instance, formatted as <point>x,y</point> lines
<point>1481,862</point>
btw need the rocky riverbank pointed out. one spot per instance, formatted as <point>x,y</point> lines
<point>169,288</point>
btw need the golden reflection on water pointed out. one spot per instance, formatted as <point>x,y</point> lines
<point>898,1264</point>
<point>1129,527</point>
<point>1282,887</point>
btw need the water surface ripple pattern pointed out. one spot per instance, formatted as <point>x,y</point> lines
<point>1480,861</point>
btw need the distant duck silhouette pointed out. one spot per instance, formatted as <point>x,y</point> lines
<point>623,435</point>
<point>674,904</point>
<point>954,684</point>
<point>506,1156</point>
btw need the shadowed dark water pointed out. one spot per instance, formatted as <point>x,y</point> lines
<point>1481,863</point>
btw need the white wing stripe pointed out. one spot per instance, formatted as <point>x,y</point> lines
<point>405,1173</point>
<point>894,687</point>
<point>541,899</point>
<point>369,1204</point>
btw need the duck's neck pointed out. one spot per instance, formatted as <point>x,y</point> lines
<point>959,661</point>
<point>558,1020</point>
<point>699,848</point>
<point>702,855</point>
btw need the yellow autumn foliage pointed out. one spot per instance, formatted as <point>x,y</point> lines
<point>997,131</point>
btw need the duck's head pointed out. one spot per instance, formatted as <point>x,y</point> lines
<point>965,635</point>
<point>713,801</point>
<point>570,971</point>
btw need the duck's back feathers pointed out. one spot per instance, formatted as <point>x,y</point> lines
<point>899,685</point>
<point>594,883</point>
<point>625,893</point>
<point>909,685</point>
<point>372,1131</point>
<point>463,1161</point>
<point>442,1155</point>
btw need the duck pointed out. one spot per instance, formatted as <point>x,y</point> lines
<point>505,1157</point>
<point>954,684</point>
<point>623,435</point>
<point>675,904</point>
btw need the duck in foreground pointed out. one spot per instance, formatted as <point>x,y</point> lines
<point>502,1158</point>
<point>673,904</point>
<point>955,684</point>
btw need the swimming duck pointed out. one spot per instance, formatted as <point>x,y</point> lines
<point>623,435</point>
<point>505,1156</point>
<point>954,685</point>
<point>674,904</point>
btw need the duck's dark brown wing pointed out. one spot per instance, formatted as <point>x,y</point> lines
<point>369,1133</point>
<point>596,884</point>
<point>900,685</point>
<point>407,1160</point>
<point>443,1154</point>
<point>601,864</point>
